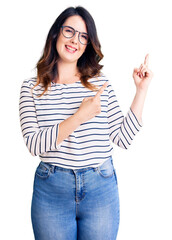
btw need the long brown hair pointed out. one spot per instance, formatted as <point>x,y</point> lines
<point>88,64</point>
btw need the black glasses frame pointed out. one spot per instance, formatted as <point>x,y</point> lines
<point>75,31</point>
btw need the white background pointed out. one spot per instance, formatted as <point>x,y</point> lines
<point>127,30</point>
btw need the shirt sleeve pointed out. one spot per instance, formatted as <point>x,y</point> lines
<point>122,129</point>
<point>38,141</point>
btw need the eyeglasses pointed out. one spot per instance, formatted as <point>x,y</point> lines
<point>69,32</point>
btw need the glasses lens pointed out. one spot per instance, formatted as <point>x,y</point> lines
<point>68,32</point>
<point>83,37</point>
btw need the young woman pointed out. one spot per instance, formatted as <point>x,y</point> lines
<point>70,117</point>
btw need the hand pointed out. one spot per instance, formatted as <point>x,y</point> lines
<point>142,76</point>
<point>91,106</point>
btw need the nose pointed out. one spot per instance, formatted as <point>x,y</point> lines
<point>75,39</point>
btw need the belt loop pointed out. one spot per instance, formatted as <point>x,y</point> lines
<point>95,169</point>
<point>52,169</point>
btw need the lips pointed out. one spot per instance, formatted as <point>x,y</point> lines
<point>70,49</point>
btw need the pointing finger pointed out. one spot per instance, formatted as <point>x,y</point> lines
<point>100,91</point>
<point>146,60</point>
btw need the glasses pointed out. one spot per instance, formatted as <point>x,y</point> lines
<point>69,32</point>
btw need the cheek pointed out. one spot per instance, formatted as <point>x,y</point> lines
<point>59,43</point>
<point>82,49</point>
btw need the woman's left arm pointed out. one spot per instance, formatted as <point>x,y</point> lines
<point>142,77</point>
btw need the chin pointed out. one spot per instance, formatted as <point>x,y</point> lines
<point>70,59</point>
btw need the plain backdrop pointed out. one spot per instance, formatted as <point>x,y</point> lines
<point>127,30</point>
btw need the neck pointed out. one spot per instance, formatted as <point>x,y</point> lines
<point>67,72</point>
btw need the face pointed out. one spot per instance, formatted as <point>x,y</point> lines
<point>70,49</point>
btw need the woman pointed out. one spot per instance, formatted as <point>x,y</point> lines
<point>69,116</point>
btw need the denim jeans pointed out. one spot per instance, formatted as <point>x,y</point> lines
<point>80,204</point>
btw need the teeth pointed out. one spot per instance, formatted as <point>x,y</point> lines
<point>71,48</point>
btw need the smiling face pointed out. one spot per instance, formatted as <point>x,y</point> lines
<point>70,49</point>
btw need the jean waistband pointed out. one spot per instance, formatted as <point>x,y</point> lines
<point>53,168</point>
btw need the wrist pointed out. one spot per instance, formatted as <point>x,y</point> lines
<point>141,91</point>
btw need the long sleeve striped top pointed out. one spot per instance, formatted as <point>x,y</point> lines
<point>91,143</point>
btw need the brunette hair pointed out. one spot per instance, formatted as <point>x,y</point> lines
<point>88,64</point>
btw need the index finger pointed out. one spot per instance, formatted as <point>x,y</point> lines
<point>100,91</point>
<point>146,60</point>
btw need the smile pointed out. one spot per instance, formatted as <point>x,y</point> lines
<point>70,49</point>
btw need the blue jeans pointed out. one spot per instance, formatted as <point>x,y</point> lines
<point>80,204</point>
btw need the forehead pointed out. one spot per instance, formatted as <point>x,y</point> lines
<point>77,23</point>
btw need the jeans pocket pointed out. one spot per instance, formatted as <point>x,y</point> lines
<point>43,170</point>
<point>106,170</point>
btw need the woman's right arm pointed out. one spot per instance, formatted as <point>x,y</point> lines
<point>39,141</point>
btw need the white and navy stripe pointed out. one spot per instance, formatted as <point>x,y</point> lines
<point>91,143</point>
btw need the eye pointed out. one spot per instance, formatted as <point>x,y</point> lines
<point>84,36</point>
<point>68,30</point>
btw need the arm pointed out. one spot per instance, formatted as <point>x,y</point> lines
<point>142,78</point>
<point>138,104</point>
<point>39,141</point>
<point>67,127</point>
<point>123,129</point>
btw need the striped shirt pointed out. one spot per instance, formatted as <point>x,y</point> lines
<point>91,143</point>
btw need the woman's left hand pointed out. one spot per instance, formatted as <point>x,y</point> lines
<point>142,76</point>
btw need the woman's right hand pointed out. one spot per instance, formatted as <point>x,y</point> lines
<point>90,106</point>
